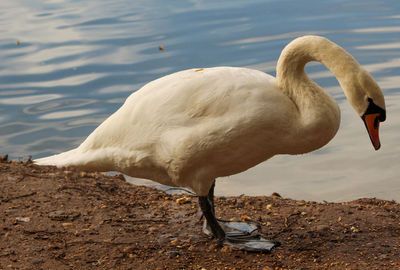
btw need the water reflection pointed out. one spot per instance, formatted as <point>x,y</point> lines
<point>57,105</point>
<point>274,37</point>
<point>25,100</point>
<point>76,63</point>
<point>386,29</point>
<point>67,114</point>
<point>386,46</point>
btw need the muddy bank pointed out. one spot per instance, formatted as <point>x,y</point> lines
<point>68,219</point>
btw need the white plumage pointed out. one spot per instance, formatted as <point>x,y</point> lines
<point>190,127</point>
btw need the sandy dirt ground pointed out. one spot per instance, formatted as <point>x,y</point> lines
<point>69,219</point>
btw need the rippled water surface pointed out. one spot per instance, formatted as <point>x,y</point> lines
<point>66,65</point>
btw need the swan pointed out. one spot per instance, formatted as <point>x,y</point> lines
<point>188,128</point>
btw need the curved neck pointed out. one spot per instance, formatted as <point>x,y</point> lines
<point>319,114</point>
<point>290,72</point>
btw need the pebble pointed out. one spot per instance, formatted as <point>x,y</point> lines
<point>383,256</point>
<point>322,228</point>
<point>183,200</point>
<point>193,248</point>
<point>59,214</point>
<point>68,172</point>
<point>23,219</point>
<point>174,242</point>
<point>354,229</point>
<point>11,178</point>
<point>173,253</point>
<point>276,195</point>
<point>4,158</point>
<point>245,217</point>
<point>226,249</point>
<point>37,260</point>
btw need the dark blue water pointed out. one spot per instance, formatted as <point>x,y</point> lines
<point>66,65</point>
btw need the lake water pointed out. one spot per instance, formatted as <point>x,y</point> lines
<point>66,65</point>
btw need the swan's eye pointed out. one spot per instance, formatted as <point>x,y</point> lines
<point>372,108</point>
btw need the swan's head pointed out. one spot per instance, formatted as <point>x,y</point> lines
<point>367,99</point>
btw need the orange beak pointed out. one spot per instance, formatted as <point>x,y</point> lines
<point>371,122</point>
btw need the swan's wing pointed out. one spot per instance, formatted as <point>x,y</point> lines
<point>217,120</point>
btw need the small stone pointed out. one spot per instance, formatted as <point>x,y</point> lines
<point>11,178</point>
<point>173,253</point>
<point>245,217</point>
<point>383,256</point>
<point>354,229</point>
<point>192,248</point>
<point>67,172</point>
<point>183,200</point>
<point>276,195</point>
<point>4,158</point>
<point>23,219</point>
<point>59,214</point>
<point>269,206</point>
<point>37,260</point>
<point>127,250</point>
<point>174,242</point>
<point>322,228</point>
<point>226,249</point>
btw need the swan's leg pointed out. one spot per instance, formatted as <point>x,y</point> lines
<point>211,197</point>
<point>238,235</point>
<point>208,212</point>
<point>231,228</point>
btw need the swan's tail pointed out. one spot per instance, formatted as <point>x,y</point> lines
<point>65,159</point>
<point>84,160</point>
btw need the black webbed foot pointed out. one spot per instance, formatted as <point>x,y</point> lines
<point>239,235</point>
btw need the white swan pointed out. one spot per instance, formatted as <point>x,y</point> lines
<point>188,128</point>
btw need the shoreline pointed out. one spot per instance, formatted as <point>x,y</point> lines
<point>70,219</point>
